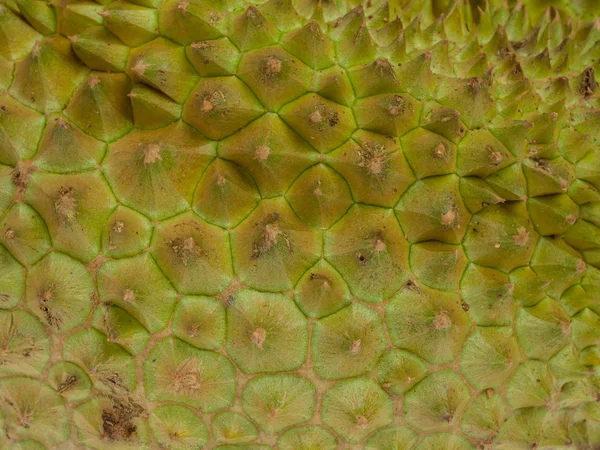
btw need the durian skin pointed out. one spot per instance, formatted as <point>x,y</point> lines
<point>300,224</point>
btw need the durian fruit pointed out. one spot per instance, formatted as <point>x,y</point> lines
<point>299,224</point>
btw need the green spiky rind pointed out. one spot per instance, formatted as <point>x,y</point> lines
<point>491,106</point>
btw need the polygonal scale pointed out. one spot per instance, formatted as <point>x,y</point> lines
<point>275,402</point>
<point>24,234</point>
<point>12,279</point>
<point>26,342</point>
<point>217,57</point>
<point>266,332</point>
<point>134,24</point>
<point>126,232</point>
<point>437,401</point>
<point>20,130</point>
<point>74,208</point>
<point>50,59</point>
<point>319,196</point>
<point>188,21</point>
<point>133,284</point>
<point>200,321</point>
<point>271,152</point>
<point>66,148</point>
<point>430,323</point>
<point>388,114</point>
<point>357,407</point>
<point>322,123</point>
<point>275,76</point>
<point>220,106</point>
<point>374,167</point>
<point>91,350</point>
<point>348,343</point>
<point>121,327</point>
<point>225,194</point>
<point>501,236</point>
<point>193,254</point>
<point>100,106</point>
<point>367,247</point>
<point>271,248</point>
<point>165,166</point>
<point>11,24</point>
<point>177,372</point>
<point>162,65</point>
<point>178,427</point>
<point>321,291</point>
<point>432,209</point>
<point>99,49</point>
<point>60,292</point>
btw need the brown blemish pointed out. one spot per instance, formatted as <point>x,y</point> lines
<point>152,154</point>
<point>588,83</point>
<point>116,228</point>
<point>44,298</point>
<point>581,266</point>
<point>9,234</point>
<point>397,106</point>
<point>186,378</point>
<point>269,237</point>
<point>129,296</point>
<point>65,206</point>
<point>385,69</point>
<point>474,85</point>
<point>139,68</point>
<point>117,421</point>
<point>20,174</point>
<point>261,153</point>
<point>258,337</point>
<point>494,156</point>
<point>571,219</point>
<point>442,321</point>
<point>70,381</point>
<point>93,81</point>
<point>355,347</point>
<point>320,277</point>
<point>522,237</point>
<point>186,249</point>
<point>361,421</point>
<point>439,152</point>
<point>323,117</point>
<point>183,6</point>
<point>270,68</point>
<point>373,159</point>
<point>379,244</point>
<point>210,101</point>
<point>542,164</point>
<point>449,218</point>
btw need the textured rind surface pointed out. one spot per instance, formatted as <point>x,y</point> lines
<point>300,224</point>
